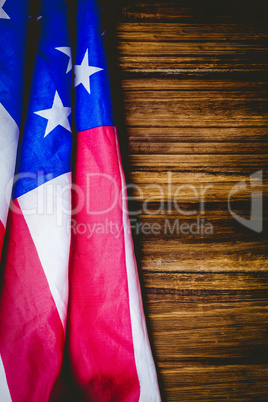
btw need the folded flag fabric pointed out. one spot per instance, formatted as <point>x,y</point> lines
<point>34,294</point>
<point>70,282</point>
<point>12,56</point>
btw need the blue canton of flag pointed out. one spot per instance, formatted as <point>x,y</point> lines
<point>12,55</point>
<point>45,148</point>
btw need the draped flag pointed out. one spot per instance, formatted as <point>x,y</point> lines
<point>68,266</point>
<point>34,295</point>
<point>12,54</point>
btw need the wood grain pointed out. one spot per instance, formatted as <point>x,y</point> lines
<point>194,11</point>
<point>184,57</point>
<point>211,323</point>
<point>194,94</point>
<point>215,383</point>
<point>195,109</point>
<point>245,136</point>
<point>177,32</point>
<point>175,255</point>
<point>178,47</point>
<point>167,185</point>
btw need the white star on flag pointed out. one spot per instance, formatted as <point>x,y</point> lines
<point>56,116</point>
<point>83,72</point>
<point>66,50</point>
<point>3,14</point>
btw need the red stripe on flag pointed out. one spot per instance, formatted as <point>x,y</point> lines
<point>2,235</point>
<point>31,334</point>
<point>101,344</point>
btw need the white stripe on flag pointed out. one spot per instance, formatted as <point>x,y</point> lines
<point>9,135</point>
<point>47,210</point>
<point>4,390</point>
<point>149,391</point>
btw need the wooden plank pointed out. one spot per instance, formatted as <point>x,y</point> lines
<point>183,56</point>
<point>147,146</point>
<point>177,64</point>
<point>209,331</point>
<point>153,187</point>
<point>207,316</point>
<point>177,32</point>
<point>193,10</point>
<point>178,284</point>
<point>210,228</point>
<point>193,382</point>
<point>199,163</point>
<point>247,135</point>
<point>184,255</point>
<point>195,109</point>
<point>248,83</point>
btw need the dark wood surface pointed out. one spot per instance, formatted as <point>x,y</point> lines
<point>194,104</point>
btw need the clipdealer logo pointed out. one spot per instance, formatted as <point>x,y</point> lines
<point>255,222</point>
<point>182,206</point>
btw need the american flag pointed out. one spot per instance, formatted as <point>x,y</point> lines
<point>70,284</point>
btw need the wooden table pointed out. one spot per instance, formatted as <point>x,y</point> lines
<point>193,102</point>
